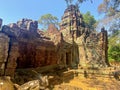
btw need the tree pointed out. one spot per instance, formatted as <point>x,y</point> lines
<point>47,19</point>
<point>109,7</point>
<point>115,27</point>
<point>114,53</point>
<point>114,46</point>
<point>81,1</point>
<point>69,2</point>
<point>89,20</point>
<point>111,10</point>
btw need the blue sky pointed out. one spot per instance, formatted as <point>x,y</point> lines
<point>13,10</point>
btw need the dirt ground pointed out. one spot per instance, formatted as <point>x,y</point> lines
<point>81,83</point>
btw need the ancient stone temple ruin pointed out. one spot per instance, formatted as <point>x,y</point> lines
<point>89,46</point>
<point>23,45</point>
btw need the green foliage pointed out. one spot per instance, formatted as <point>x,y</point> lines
<point>114,47</point>
<point>114,53</point>
<point>47,19</point>
<point>89,20</point>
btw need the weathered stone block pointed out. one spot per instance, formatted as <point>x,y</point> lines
<point>10,72</point>
<point>2,68</point>
<point>4,47</point>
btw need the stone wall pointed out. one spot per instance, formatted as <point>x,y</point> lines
<point>4,48</point>
<point>26,48</point>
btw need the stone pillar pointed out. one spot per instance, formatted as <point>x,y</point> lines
<point>82,56</point>
<point>104,39</point>
<point>75,56</point>
<point>4,47</point>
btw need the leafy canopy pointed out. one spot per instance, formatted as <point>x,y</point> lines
<point>89,20</point>
<point>47,19</point>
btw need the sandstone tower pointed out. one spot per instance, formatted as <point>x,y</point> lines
<point>90,51</point>
<point>72,21</point>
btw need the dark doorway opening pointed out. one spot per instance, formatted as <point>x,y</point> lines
<point>67,61</point>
